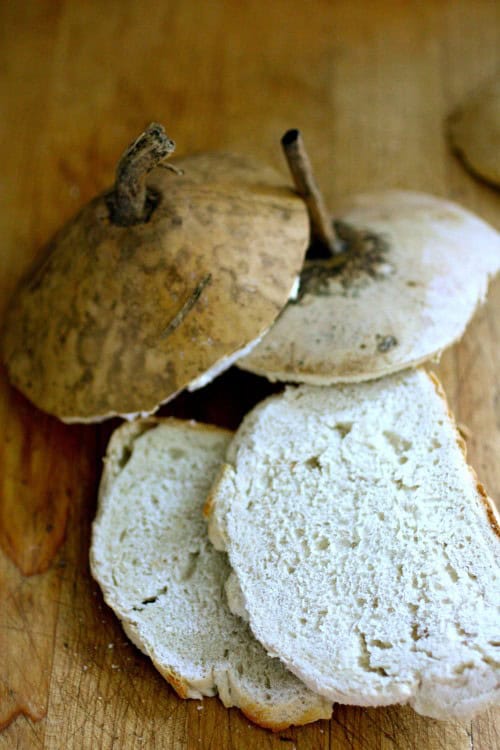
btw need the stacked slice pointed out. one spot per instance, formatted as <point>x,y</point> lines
<point>165,581</point>
<point>364,554</point>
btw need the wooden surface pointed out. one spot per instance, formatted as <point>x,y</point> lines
<point>370,84</point>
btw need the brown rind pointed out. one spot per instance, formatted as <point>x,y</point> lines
<point>117,320</point>
<point>488,502</point>
<point>263,717</point>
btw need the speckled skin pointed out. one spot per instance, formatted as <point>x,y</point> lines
<point>405,309</point>
<point>117,320</point>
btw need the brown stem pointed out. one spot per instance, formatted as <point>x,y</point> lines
<point>131,202</point>
<point>322,233</point>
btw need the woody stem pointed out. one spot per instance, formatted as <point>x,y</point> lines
<point>130,203</point>
<point>322,234</point>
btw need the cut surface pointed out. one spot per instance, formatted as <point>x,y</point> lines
<point>160,574</point>
<point>418,267</point>
<point>366,552</point>
<point>117,320</point>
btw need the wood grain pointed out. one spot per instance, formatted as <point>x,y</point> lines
<point>370,84</point>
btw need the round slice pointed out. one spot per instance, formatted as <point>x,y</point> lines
<point>160,574</point>
<point>412,272</point>
<point>474,132</point>
<point>367,554</point>
<point>121,314</point>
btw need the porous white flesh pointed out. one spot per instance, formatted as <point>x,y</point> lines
<point>365,556</point>
<point>152,558</point>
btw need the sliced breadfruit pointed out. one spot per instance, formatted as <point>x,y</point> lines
<point>151,556</point>
<point>364,550</point>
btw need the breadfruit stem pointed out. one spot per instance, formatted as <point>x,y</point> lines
<point>322,234</point>
<point>130,201</point>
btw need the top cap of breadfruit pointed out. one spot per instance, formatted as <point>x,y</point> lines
<point>154,283</point>
<point>413,270</point>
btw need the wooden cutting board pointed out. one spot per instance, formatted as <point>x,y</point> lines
<point>370,84</point>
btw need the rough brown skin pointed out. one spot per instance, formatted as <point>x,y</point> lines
<point>116,320</point>
<point>264,718</point>
<point>179,685</point>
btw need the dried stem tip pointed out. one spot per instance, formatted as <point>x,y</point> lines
<point>130,202</point>
<point>322,233</point>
